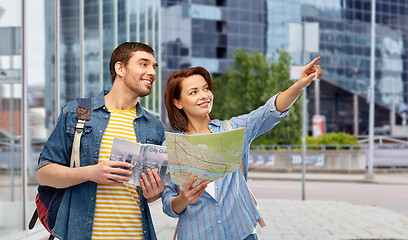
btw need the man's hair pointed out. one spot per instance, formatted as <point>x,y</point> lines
<point>124,52</point>
<point>177,117</point>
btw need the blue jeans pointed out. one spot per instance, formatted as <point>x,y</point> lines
<point>252,236</point>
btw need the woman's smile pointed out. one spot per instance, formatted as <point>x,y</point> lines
<point>204,104</point>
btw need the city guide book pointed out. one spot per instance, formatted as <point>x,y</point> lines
<point>142,157</point>
<point>206,156</point>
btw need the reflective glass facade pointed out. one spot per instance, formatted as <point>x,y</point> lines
<point>345,35</point>
<point>204,32</point>
<point>345,45</point>
<point>11,167</point>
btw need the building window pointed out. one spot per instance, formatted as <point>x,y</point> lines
<point>221,3</point>
<point>221,52</point>
<point>221,26</point>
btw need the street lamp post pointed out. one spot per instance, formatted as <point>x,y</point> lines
<point>309,42</point>
<point>370,174</point>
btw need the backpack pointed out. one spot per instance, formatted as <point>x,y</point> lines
<point>48,199</point>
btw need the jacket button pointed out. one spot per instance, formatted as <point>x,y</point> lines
<point>100,131</point>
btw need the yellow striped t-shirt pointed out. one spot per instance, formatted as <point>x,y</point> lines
<point>117,211</point>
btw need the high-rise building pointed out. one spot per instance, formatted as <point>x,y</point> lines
<point>53,52</point>
<point>204,32</point>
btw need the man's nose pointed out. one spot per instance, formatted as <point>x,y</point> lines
<point>152,71</point>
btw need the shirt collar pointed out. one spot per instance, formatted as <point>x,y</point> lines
<point>99,102</point>
<point>215,122</point>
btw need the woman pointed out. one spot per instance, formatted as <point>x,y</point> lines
<point>225,209</point>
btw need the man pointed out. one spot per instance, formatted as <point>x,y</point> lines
<point>96,204</point>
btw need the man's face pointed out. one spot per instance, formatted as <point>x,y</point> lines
<point>140,73</point>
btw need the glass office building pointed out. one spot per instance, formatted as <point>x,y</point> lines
<point>345,35</point>
<point>204,32</point>
<point>55,51</point>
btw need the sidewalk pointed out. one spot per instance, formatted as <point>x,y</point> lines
<point>312,220</point>
<point>304,220</point>
<point>316,220</point>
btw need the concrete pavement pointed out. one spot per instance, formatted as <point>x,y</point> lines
<point>303,220</point>
<point>315,220</point>
<point>312,219</point>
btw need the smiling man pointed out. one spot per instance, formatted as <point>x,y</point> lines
<point>96,205</point>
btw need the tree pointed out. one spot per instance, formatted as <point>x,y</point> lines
<point>248,84</point>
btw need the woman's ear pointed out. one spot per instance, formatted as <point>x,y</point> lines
<point>177,104</point>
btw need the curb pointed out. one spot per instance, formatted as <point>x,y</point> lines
<point>315,178</point>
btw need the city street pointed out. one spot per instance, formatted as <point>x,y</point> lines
<point>389,196</point>
<point>337,207</point>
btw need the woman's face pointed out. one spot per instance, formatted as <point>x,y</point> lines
<point>196,98</point>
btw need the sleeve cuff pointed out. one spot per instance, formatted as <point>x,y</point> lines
<point>43,162</point>
<point>272,107</point>
<point>167,199</point>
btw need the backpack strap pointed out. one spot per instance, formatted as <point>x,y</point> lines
<point>83,114</point>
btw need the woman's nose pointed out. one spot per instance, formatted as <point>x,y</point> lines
<point>203,95</point>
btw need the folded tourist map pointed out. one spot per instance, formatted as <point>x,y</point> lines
<point>206,156</point>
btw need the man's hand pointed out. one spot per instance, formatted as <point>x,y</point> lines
<point>107,172</point>
<point>152,189</point>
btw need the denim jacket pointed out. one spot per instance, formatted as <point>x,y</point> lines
<point>76,212</point>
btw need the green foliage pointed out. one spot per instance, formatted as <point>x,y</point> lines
<point>332,139</point>
<point>339,138</point>
<point>248,84</point>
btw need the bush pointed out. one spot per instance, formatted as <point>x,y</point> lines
<point>339,138</point>
<point>332,139</point>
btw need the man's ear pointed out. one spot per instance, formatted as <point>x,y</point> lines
<point>177,104</point>
<point>120,69</point>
